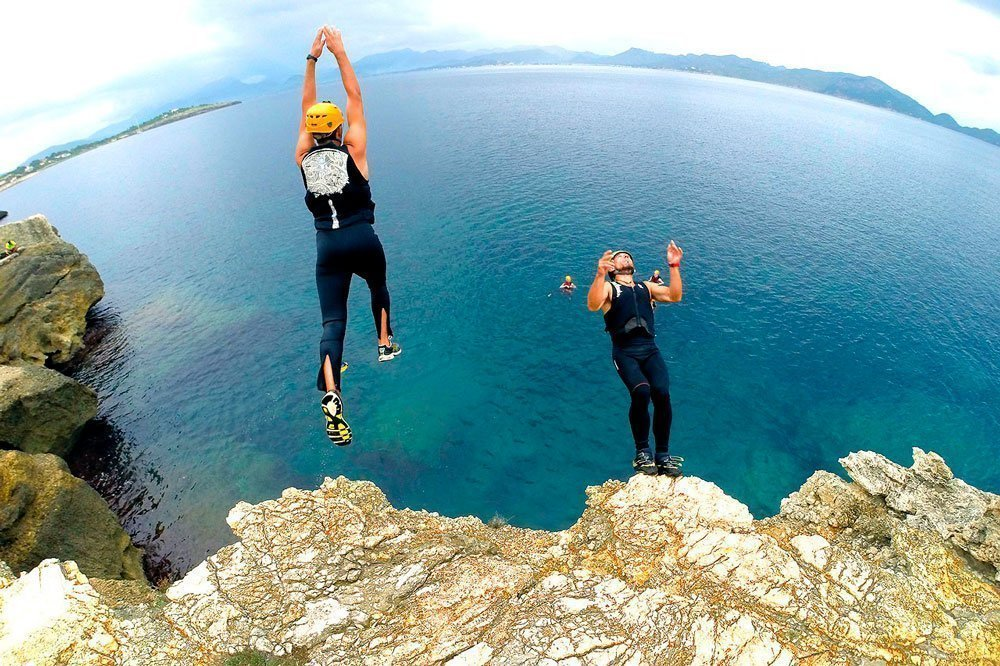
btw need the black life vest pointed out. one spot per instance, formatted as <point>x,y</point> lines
<point>631,313</point>
<point>336,193</point>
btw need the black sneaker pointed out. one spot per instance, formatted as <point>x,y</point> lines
<point>668,465</point>
<point>644,463</point>
<point>336,427</point>
<point>389,351</point>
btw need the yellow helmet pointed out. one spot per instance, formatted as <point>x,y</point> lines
<point>569,279</point>
<point>323,118</point>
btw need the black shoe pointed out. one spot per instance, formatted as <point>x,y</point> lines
<point>644,463</point>
<point>389,351</point>
<point>668,465</point>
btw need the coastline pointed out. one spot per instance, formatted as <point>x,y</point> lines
<point>646,68</point>
<point>172,117</point>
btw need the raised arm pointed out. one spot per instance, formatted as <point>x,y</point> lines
<point>673,290</point>
<point>305,141</point>
<point>356,138</point>
<point>599,294</point>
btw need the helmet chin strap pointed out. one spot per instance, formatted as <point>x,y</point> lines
<point>628,273</point>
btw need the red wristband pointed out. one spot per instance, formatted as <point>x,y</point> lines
<point>677,265</point>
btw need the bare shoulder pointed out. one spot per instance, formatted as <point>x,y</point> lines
<point>302,146</point>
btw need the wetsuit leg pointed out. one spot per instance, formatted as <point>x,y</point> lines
<point>630,371</point>
<point>638,416</point>
<point>372,268</point>
<point>655,370</point>
<point>333,282</point>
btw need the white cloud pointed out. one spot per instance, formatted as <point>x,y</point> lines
<point>63,49</point>
<point>60,57</point>
<point>87,64</point>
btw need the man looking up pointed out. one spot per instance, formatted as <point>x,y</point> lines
<point>628,318</point>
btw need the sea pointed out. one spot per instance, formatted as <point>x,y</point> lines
<point>841,293</point>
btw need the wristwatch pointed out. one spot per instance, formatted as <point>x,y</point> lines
<point>312,57</point>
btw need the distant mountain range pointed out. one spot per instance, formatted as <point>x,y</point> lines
<point>864,89</point>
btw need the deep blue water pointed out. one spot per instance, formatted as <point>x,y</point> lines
<point>841,293</point>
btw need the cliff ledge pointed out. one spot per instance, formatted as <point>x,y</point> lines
<point>897,567</point>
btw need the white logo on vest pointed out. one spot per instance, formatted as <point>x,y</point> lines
<point>325,171</point>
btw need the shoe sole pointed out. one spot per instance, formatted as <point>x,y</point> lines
<point>339,433</point>
<point>383,359</point>
<point>672,473</point>
<point>337,429</point>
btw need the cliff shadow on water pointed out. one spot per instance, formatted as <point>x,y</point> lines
<point>104,459</point>
<point>105,454</point>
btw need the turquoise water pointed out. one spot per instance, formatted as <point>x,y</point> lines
<point>840,271</point>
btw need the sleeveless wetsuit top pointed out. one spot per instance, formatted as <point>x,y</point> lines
<point>336,193</point>
<point>631,314</point>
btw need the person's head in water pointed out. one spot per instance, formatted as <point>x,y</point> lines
<point>569,280</point>
<point>656,273</point>
<point>623,264</point>
<point>325,121</point>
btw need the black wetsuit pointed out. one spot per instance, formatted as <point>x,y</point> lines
<point>639,363</point>
<point>340,199</point>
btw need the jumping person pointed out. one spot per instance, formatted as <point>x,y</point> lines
<point>334,166</point>
<point>628,317</point>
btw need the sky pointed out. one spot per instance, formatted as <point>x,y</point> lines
<point>71,68</point>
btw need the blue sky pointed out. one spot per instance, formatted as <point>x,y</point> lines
<point>71,68</point>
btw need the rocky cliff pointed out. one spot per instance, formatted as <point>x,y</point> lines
<point>898,567</point>
<point>46,512</point>
<point>41,410</point>
<point>46,292</point>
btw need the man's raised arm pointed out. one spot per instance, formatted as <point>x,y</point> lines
<point>597,295</point>
<point>673,291</point>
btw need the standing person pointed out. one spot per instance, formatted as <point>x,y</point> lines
<point>628,318</point>
<point>334,166</point>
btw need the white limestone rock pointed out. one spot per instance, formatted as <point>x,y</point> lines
<point>656,571</point>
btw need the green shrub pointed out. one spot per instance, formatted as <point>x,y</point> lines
<point>257,658</point>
